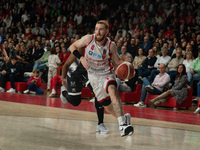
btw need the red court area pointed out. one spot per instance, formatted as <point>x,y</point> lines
<point>147,113</point>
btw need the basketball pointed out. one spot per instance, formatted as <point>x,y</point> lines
<point>125,70</point>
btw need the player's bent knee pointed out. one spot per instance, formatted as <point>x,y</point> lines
<point>74,100</point>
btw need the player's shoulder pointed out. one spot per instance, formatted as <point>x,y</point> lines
<point>87,38</point>
<point>113,46</point>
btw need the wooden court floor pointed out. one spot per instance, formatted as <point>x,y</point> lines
<point>41,123</point>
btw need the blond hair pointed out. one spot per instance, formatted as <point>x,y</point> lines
<point>105,22</point>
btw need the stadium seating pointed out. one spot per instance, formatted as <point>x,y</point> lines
<point>131,97</point>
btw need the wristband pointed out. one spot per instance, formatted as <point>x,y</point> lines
<point>77,54</point>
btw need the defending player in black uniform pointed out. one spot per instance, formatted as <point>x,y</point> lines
<point>74,77</point>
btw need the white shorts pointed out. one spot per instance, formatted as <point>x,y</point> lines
<point>99,84</point>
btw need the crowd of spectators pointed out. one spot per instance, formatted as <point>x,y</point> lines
<point>143,30</point>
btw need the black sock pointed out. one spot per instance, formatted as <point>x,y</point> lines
<point>100,111</point>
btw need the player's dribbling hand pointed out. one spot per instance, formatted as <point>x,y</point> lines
<point>84,63</point>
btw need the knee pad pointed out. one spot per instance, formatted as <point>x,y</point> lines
<point>106,102</point>
<point>111,83</point>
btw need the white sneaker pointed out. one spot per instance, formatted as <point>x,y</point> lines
<point>26,91</point>
<point>2,89</point>
<point>197,111</point>
<point>126,130</point>
<point>139,104</point>
<point>62,98</point>
<point>32,92</point>
<point>53,93</point>
<point>11,90</point>
<point>102,129</point>
<point>149,88</point>
<point>93,99</point>
<point>128,118</point>
<point>196,99</point>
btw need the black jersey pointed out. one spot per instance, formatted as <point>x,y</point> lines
<point>76,77</point>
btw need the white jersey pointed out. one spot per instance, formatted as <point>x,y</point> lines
<point>99,58</point>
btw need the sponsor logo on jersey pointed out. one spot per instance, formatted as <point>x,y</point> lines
<point>104,54</point>
<point>92,48</point>
<point>94,54</point>
<point>73,90</point>
<point>90,52</point>
<point>73,83</point>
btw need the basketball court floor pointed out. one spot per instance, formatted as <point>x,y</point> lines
<point>30,122</point>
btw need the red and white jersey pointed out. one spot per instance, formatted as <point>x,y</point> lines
<point>99,58</point>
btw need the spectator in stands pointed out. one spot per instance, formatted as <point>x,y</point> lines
<point>4,67</point>
<point>125,53</point>
<point>194,72</point>
<point>156,51</point>
<point>41,63</point>
<point>188,61</point>
<point>146,45</point>
<point>147,65</point>
<point>78,18</point>
<point>34,83</point>
<point>170,48</point>
<point>136,31</point>
<point>139,59</point>
<point>164,59</point>
<point>156,88</point>
<point>127,85</point>
<point>29,34</point>
<point>122,31</point>
<point>56,81</point>
<point>64,55</point>
<point>13,74</point>
<point>133,48</point>
<point>37,51</point>
<point>11,50</point>
<point>71,30</point>
<point>119,46</point>
<point>179,90</point>
<point>53,62</point>
<point>174,63</point>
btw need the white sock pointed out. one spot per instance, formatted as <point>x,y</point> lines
<point>121,120</point>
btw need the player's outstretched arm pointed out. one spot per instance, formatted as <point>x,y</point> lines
<point>80,44</point>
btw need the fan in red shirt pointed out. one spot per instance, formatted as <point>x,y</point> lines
<point>29,34</point>
<point>64,55</point>
<point>168,34</point>
<point>34,83</point>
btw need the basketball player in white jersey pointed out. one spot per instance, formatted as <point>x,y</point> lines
<point>99,55</point>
